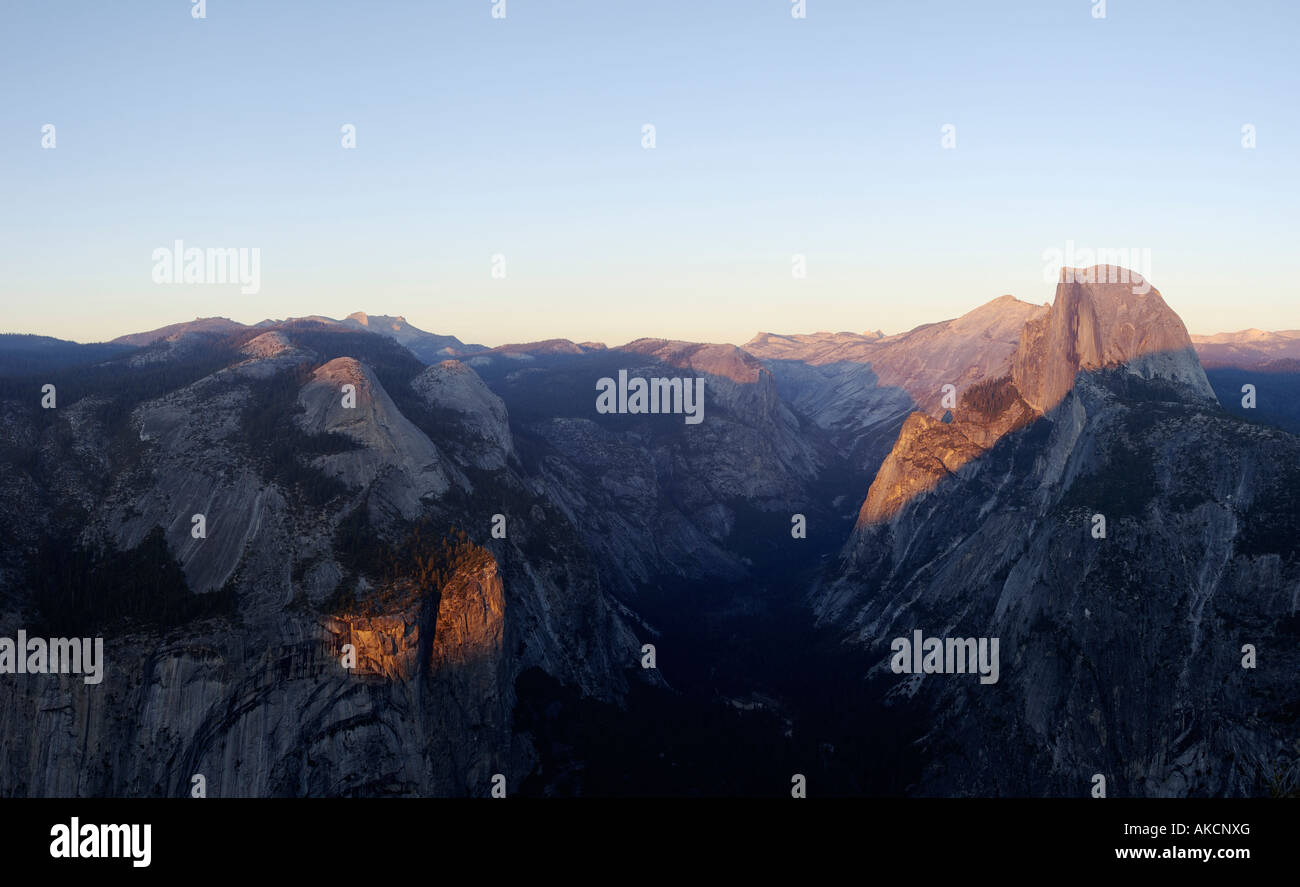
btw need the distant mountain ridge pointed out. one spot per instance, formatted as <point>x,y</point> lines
<point>22,354</point>
<point>217,326</point>
<point>428,347</point>
<point>962,351</point>
<point>912,360</point>
<point>1247,349</point>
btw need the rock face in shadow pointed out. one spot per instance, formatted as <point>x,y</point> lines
<point>1119,655</point>
<point>393,454</point>
<point>651,496</point>
<point>256,699</point>
<point>453,387</point>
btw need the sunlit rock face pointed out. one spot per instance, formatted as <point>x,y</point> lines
<point>470,628</point>
<point>464,627</point>
<point>386,646</point>
<point>715,360</point>
<point>1095,323</point>
<point>962,351</point>
<point>926,451</point>
<point>450,665</point>
<point>267,345</point>
<point>428,347</point>
<point>861,387</point>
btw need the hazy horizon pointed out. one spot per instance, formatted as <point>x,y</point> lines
<point>434,329</point>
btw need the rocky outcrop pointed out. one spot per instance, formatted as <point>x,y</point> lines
<point>861,387</point>
<point>193,464</point>
<point>987,526</point>
<point>428,347</point>
<point>1096,322</point>
<point>453,387</point>
<point>470,629</point>
<point>393,454</point>
<point>1120,655</point>
<point>201,326</point>
<point>256,699</point>
<point>926,452</point>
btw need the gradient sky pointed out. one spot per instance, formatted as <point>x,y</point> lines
<point>522,136</point>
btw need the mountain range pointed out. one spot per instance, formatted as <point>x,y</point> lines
<point>502,561</point>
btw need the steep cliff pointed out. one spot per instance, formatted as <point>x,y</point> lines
<point>1114,529</point>
<point>306,501</point>
<point>1095,322</point>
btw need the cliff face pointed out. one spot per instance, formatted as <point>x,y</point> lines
<point>926,452</point>
<point>1121,651</point>
<point>1120,655</point>
<point>1100,324</point>
<point>1093,324</point>
<point>402,463</point>
<point>427,709</point>
<point>453,388</point>
<point>256,699</point>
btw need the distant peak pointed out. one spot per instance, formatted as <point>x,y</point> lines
<point>360,317</point>
<point>1001,304</point>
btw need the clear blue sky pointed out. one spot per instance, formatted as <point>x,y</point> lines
<point>522,136</point>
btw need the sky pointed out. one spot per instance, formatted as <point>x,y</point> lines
<point>523,138</point>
